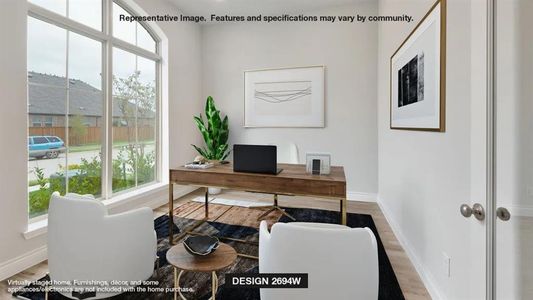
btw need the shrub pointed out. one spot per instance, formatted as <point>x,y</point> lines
<point>145,166</point>
<point>39,200</point>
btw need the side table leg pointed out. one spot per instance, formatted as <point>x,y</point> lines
<point>214,285</point>
<point>176,284</point>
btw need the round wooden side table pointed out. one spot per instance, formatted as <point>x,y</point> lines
<point>178,257</point>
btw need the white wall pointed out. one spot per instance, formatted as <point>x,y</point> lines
<point>424,177</point>
<point>349,53</point>
<point>184,61</point>
<point>13,132</point>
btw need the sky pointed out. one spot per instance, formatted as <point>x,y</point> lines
<point>47,44</point>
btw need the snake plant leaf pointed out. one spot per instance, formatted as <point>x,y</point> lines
<point>209,104</point>
<point>201,151</point>
<point>213,119</point>
<point>225,155</point>
<point>224,131</point>
<point>221,150</point>
<point>203,130</point>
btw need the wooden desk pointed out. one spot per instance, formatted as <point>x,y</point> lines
<point>293,180</point>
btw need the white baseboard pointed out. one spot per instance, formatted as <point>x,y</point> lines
<point>179,191</point>
<point>359,196</point>
<point>23,262</point>
<point>182,190</point>
<point>153,199</point>
<point>162,198</point>
<point>426,277</point>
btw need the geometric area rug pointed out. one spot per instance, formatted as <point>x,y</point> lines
<point>234,222</point>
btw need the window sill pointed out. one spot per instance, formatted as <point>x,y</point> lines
<point>40,227</point>
<point>134,195</point>
<point>36,229</point>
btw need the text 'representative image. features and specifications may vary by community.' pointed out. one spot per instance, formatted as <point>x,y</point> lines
<point>355,18</point>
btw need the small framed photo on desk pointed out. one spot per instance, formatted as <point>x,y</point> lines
<point>318,163</point>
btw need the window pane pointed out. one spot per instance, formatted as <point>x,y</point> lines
<point>123,30</point>
<point>131,32</point>
<point>88,12</point>
<point>124,120</point>
<point>144,39</point>
<point>85,116</point>
<point>46,106</point>
<point>146,121</point>
<point>57,6</point>
<point>60,159</point>
<point>134,113</point>
<point>47,48</point>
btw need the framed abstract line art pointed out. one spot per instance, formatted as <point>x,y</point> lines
<point>289,97</point>
<point>418,75</point>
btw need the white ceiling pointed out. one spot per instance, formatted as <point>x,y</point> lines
<point>253,7</point>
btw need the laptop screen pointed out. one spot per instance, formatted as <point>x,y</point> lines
<point>255,158</point>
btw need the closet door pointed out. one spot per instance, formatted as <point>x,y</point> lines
<point>513,149</point>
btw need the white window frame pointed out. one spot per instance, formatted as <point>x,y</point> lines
<point>108,43</point>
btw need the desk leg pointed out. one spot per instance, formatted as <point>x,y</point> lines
<point>171,213</point>
<point>183,232</point>
<point>343,211</point>
<point>206,202</point>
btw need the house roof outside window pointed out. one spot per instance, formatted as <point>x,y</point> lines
<point>47,97</point>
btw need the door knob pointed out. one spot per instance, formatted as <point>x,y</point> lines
<point>503,214</point>
<point>476,210</point>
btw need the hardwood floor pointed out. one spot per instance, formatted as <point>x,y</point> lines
<point>410,283</point>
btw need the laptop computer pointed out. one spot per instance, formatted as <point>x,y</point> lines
<point>255,159</point>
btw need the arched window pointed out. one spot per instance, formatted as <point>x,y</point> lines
<point>93,100</point>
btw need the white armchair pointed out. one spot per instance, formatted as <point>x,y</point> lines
<point>342,262</point>
<point>85,243</point>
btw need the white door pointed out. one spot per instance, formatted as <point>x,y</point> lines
<point>513,176</point>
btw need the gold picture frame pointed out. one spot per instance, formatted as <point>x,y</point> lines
<point>440,124</point>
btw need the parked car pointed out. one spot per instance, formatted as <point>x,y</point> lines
<point>45,146</point>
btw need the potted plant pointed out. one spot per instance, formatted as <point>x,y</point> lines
<point>215,133</point>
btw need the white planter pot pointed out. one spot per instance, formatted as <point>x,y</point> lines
<point>214,191</point>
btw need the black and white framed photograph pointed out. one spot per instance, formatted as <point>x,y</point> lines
<point>288,97</point>
<point>418,81</point>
